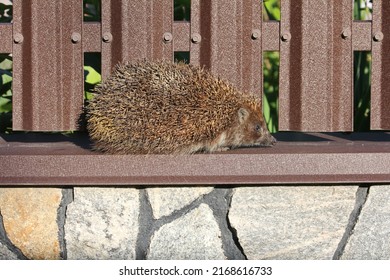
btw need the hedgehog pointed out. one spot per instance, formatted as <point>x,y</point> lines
<point>163,107</point>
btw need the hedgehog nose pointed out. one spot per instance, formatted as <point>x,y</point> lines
<point>273,140</point>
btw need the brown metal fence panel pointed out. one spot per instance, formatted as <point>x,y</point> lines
<point>316,40</point>
<point>6,38</point>
<point>380,89</point>
<point>133,30</point>
<point>47,65</point>
<point>316,66</point>
<point>92,37</point>
<point>227,39</point>
<point>181,35</point>
<point>361,35</point>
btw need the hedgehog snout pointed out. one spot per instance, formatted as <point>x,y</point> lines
<point>267,140</point>
<point>272,140</point>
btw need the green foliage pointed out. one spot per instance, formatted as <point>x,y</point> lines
<point>92,78</point>
<point>362,9</point>
<point>271,10</point>
<point>92,10</point>
<point>182,10</point>
<point>5,92</point>
<point>271,89</point>
<point>362,90</point>
<point>5,13</point>
<point>92,70</point>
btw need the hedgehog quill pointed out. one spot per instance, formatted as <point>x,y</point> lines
<point>172,108</point>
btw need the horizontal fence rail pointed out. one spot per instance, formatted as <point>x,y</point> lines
<point>316,40</point>
<point>299,158</point>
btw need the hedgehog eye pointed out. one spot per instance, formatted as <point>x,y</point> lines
<point>258,128</point>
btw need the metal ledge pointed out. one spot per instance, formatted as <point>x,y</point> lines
<point>298,158</point>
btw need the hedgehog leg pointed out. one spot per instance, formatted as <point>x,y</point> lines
<point>218,144</point>
<point>190,149</point>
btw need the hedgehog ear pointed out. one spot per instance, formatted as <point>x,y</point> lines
<point>243,114</point>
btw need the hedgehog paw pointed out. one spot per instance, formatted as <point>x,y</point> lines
<point>222,149</point>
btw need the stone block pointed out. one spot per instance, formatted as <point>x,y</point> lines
<point>195,235</point>
<point>370,239</point>
<point>291,222</point>
<point>165,201</point>
<point>6,254</point>
<point>30,220</point>
<point>102,223</point>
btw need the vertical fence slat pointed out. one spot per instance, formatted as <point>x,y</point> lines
<point>380,90</point>
<point>47,65</point>
<point>226,45</point>
<point>199,30</point>
<point>137,29</point>
<point>316,66</point>
<point>6,38</point>
<point>341,53</point>
<point>181,35</point>
<point>251,48</point>
<point>161,23</point>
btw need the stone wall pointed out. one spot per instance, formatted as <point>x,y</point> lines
<point>294,222</point>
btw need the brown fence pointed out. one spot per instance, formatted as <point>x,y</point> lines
<point>316,40</point>
<point>316,43</point>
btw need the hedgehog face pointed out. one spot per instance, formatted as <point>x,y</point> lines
<point>253,129</point>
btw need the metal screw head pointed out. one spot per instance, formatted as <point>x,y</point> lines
<point>286,37</point>
<point>346,34</point>
<point>18,38</point>
<point>378,36</point>
<point>167,37</point>
<point>76,37</point>
<point>107,37</point>
<point>256,33</point>
<point>196,38</point>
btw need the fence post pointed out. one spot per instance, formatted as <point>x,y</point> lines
<point>47,65</point>
<point>136,29</point>
<point>231,40</point>
<point>380,90</point>
<point>316,66</point>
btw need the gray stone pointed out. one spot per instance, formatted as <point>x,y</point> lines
<point>102,223</point>
<point>371,237</point>
<point>6,254</point>
<point>165,201</point>
<point>291,222</point>
<point>195,235</point>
